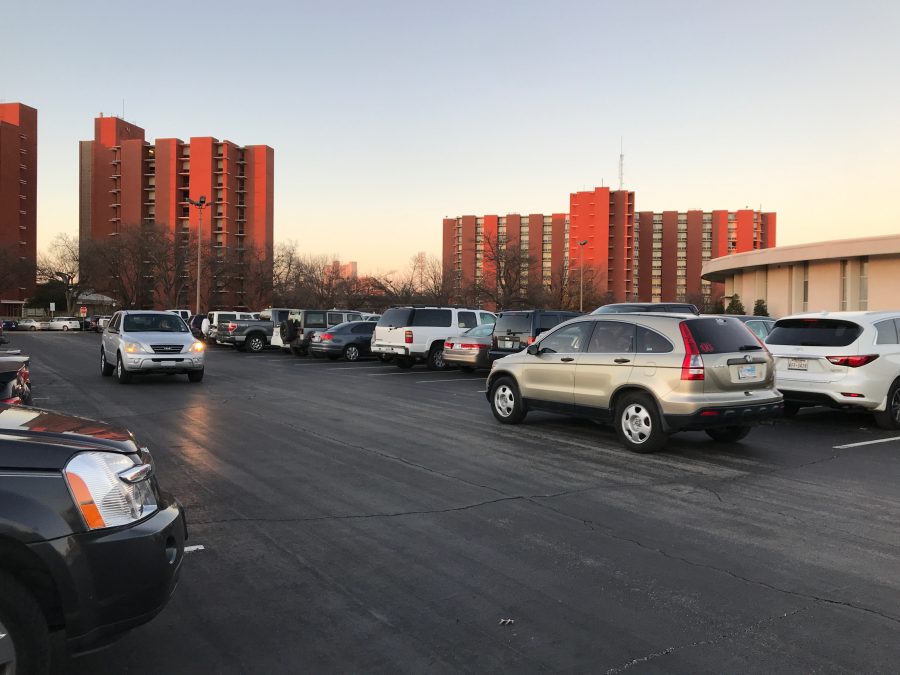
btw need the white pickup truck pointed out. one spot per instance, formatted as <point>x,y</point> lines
<point>413,334</point>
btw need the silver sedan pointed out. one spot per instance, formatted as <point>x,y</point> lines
<point>470,350</point>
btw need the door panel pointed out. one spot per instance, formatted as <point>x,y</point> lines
<point>550,374</point>
<point>606,364</point>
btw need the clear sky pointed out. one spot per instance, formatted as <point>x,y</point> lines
<point>387,116</point>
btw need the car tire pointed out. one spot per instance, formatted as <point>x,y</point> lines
<point>24,625</point>
<point>467,369</point>
<point>33,328</point>
<point>122,375</point>
<point>729,434</point>
<point>889,418</point>
<point>436,359</point>
<point>195,376</point>
<point>638,424</point>
<point>506,402</point>
<point>65,328</point>
<point>385,358</point>
<point>790,410</point>
<point>351,353</point>
<point>255,344</point>
<point>106,369</point>
<point>404,362</point>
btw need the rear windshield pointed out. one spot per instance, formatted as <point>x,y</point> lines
<point>513,323</point>
<point>396,317</point>
<point>814,333</point>
<point>722,335</point>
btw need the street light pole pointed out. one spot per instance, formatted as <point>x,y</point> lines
<point>581,245</point>
<point>200,204</point>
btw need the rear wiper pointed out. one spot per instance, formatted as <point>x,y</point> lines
<point>749,348</point>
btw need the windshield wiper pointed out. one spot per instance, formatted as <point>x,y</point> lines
<point>749,348</point>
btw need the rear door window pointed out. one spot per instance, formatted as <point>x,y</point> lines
<point>434,318</point>
<point>612,337</point>
<point>316,320</point>
<point>335,318</point>
<point>518,322</point>
<point>467,320</point>
<point>814,333</point>
<point>722,335</point>
<point>396,317</point>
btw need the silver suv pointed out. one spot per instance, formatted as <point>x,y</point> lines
<point>140,342</point>
<point>649,374</point>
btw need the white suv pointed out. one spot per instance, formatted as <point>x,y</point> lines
<point>412,334</point>
<point>841,360</point>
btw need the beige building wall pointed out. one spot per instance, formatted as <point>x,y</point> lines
<point>884,283</point>
<point>824,286</point>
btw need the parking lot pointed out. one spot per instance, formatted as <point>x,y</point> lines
<point>359,517</point>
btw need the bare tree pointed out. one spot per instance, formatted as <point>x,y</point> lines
<point>117,266</point>
<point>61,263</point>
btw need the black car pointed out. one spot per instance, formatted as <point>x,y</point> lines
<point>632,307</point>
<point>9,324</point>
<point>515,330</point>
<point>351,339</point>
<point>15,380</point>
<point>90,547</point>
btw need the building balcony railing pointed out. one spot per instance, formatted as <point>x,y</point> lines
<point>113,220</point>
<point>116,176</point>
<point>114,190</point>
<point>116,161</point>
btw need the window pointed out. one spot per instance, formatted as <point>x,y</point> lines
<point>396,317</point>
<point>805,286</point>
<point>721,335</point>
<point>315,320</point>
<point>154,323</point>
<point>814,333</point>
<point>437,318</point>
<point>845,285</point>
<point>116,320</point>
<point>335,318</point>
<point>612,337</point>
<point>548,321</point>
<point>467,320</point>
<point>367,327</point>
<point>864,283</point>
<point>651,342</point>
<point>567,340</point>
<point>887,333</point>
<point>484,330</point>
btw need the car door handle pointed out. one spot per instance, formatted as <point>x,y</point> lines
<point>622,360</point>
<point>566,359</point>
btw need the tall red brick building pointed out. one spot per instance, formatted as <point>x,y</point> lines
<point>624,254</point>
<point>127,182</point>
<point>18,205</point>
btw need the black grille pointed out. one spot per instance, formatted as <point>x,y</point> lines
<point>166,349</point>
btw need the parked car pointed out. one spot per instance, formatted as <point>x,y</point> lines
<point>631,307</point>
<point>90,546</point>
<point>296,333</point>
<point>185,314</point>
<point>15,380</point>
<point>102,323</point>
<point>3,340</point>
<point>64,323</point>
<point>471,350</point>
<point>649,374</point>
<point>351,339</point>
<point>254,335</point>
<point>845,360</point>
<point>515,330</point>
<point>760,325</point>
<point>10,324</point>
<point>413,334</point>
<point>195,323</point>
<point>33,324</point>
<point>370,317</point>
<point>215,318</point>
<point>140,342</point>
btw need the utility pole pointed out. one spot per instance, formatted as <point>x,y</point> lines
<point>200,204</point>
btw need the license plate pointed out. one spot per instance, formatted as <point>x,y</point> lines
<point>798,364</point>
<point>170,364</point>
<point>747,372</point>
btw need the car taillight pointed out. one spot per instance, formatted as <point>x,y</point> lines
<point>23,375</point>
<point>408,337</point>
<point>15,400</point>
<point>327,336</point>
<point>852,361</point>
<point>232,327</point>
<point>692,365</point>
<point>530,340</point>
<point>448,345</point>
<point>471,346</point>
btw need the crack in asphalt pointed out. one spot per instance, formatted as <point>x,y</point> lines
<point>706,642</point>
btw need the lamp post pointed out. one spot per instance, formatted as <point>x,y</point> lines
<point>200,204</point>
<point>581,245</point>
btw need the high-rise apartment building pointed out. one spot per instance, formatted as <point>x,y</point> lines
<point>672,246</point>
<point>622,254</point>
<point>127,182</point>
<point>18,205</point>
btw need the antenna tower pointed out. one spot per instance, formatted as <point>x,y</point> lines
<point>621,165</point>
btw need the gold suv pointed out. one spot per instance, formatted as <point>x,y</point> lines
<point>649,374</point>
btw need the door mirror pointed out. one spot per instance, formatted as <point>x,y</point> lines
<point>533,349</point>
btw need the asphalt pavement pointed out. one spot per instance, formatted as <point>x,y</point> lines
<point>361,518</point>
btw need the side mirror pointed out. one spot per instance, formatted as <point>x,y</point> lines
<point>533,349</point>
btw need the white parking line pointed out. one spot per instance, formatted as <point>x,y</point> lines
<point>453,379</point>
<point>191,549</point>
<point>382,374</point>
<point>356,367</point>
<point>856,445</point>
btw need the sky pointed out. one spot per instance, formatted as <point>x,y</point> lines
<point>387,116</point>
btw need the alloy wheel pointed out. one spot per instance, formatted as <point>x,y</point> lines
<point>352,353</point>
<point>895,407</point>
<point>636,423</point>
<point>7,652</point>
<point>504,400</point>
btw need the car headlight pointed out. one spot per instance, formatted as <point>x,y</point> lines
<point>110,489</point>
<point>135,348</point>
<point>198,347</point>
